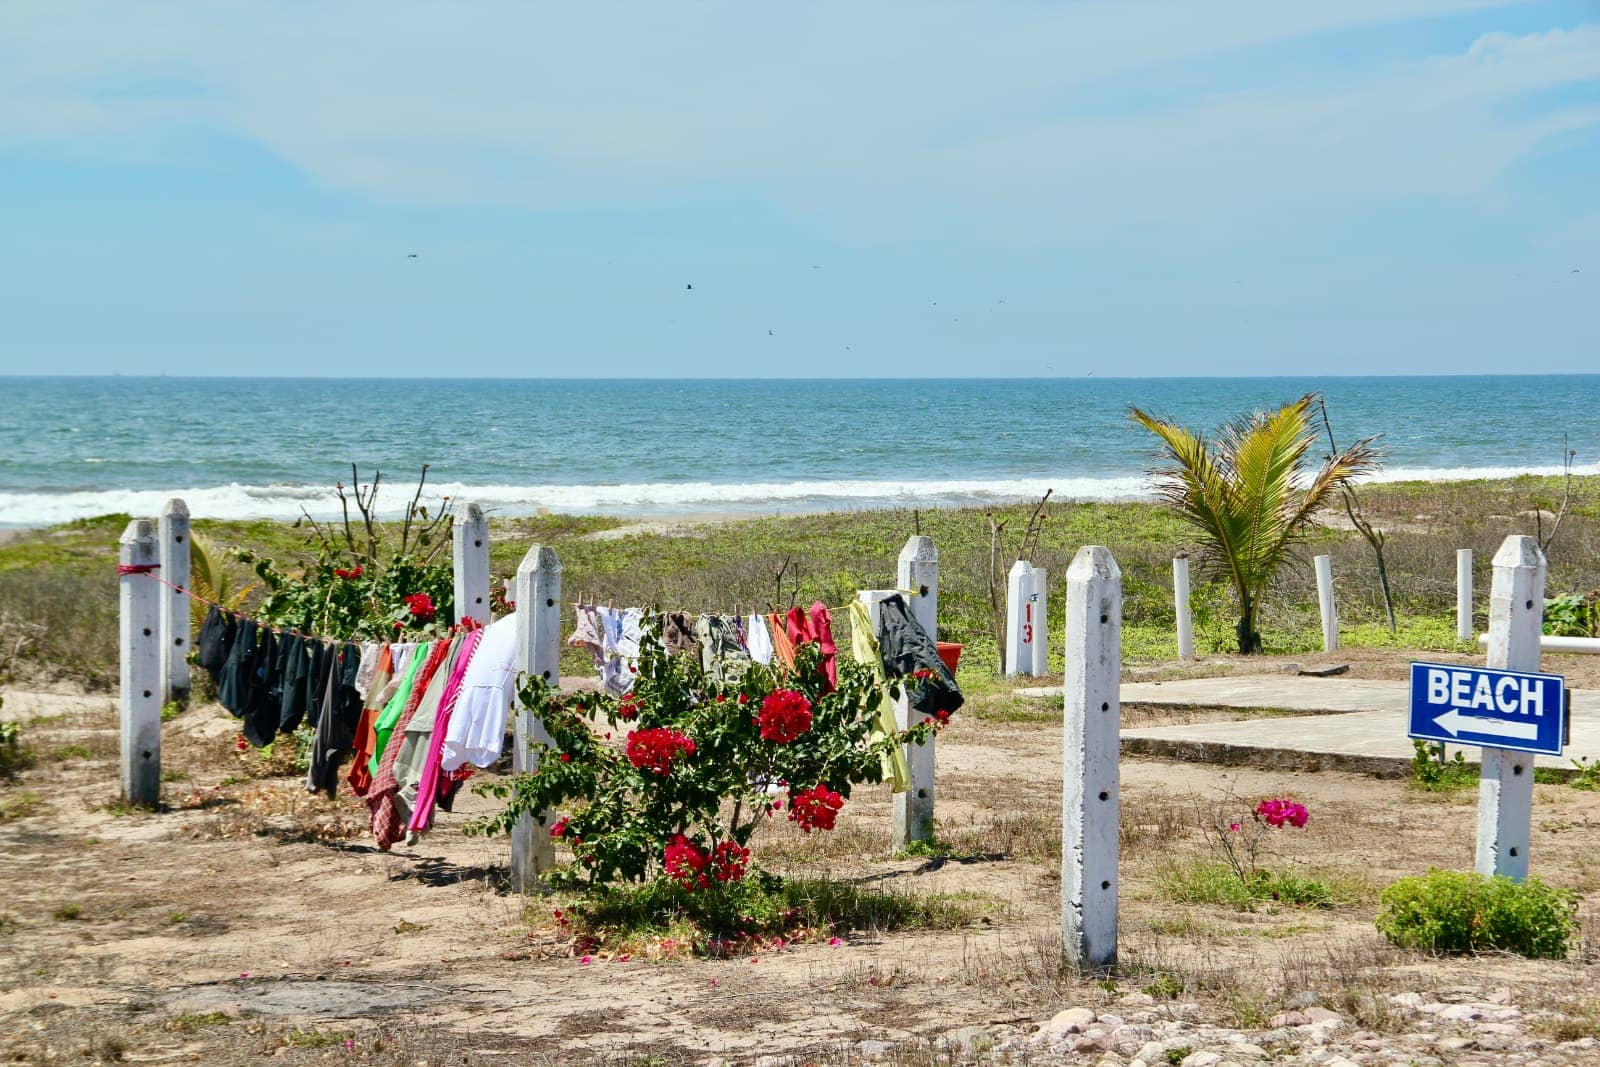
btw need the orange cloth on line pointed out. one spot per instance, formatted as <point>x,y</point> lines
<point>359,776</point>
<point>782,647</point>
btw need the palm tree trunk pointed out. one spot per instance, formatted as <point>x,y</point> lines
<point>1249,639</point>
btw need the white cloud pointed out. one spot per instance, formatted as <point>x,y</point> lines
<point>861,110</point>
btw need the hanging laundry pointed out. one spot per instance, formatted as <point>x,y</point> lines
<point>722,653</point>
<point>370,743</point>
<point>907,649</point>
<point>678,633</point>
<point>233,687</point>
<point>293,664</point>
<point>477,727</point>
<point>864,649</point>
<point>263,697</point>
<point>817,626</point>
<point>385,676</point>
<point>420,776</point>
<point>398,712</point>
<point>369,664</point>
<point>758,639</point>
<point>383,799</point>
<point>589,633</point>
<point>782,647</point>
<point>214,642</point>
<point>620,648</point>
<point>338,711</point>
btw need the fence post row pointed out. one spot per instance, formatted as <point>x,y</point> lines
<point>913,809</point>
<point>1330,616</point>
<point>175,633</point>
<point>1505,781</point>
<point>470,555</point>
<point>1091,747</point>
<point>1180,604</point>
<point>1020,626</point>
<point>139,700</point>
<point>1463,594</point>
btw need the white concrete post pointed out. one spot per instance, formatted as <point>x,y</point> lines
<point>1330,617</point>
<point>1039,616</point>
<point>140,693</point>
<point>1505,783</point>
<point>470,550</point>
<point>1091,747</point>
<point>1019,628</point>
<point>1463,594</point>
<point>538,653</point>
<point>1180,603</point>
<point>175,635</point>
<point>913,809</point>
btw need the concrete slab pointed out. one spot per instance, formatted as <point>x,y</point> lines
<point>1373,742</point>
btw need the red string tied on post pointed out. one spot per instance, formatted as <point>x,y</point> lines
<point>137,568</point>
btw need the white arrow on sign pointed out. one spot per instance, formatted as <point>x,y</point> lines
<point>1454,723</point>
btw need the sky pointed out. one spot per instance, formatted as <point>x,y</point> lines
<point>825,189</point>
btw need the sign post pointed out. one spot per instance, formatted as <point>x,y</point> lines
<point>1508,708</point>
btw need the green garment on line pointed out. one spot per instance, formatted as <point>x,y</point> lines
<point>864,647</point>
<point>397,704</point>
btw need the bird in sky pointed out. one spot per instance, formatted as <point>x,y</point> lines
<point>411,255</point>
<point>688,286</point>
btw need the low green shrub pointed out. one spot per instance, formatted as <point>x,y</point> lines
<point>1454,912</point>
<point>1431,772</point>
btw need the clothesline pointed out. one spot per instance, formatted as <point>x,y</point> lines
<point>580,603</point>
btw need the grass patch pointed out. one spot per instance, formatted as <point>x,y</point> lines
<point>659,919</point>
<point>19,804</point>
<point>1456,912</point>
<point>312,1039</point>
<point>76,750</point>
<point>190,1022</point>
<point>65,913</point>
<point>1432,773</point>
<point>1204,882</point>
<point>1571,1021</point>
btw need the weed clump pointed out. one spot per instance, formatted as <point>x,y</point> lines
<point>1455,913</point>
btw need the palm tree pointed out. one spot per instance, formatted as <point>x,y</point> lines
<point>1247,494</point>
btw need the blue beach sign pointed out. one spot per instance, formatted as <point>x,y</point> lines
<point>1492,708</point>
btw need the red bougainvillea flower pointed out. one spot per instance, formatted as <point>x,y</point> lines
<point>349,572</point>
<point>815,808</point>
<point>785,715</point>
<point>729,861</point>
<point>558,828</point>
<point>685,863</point>
<point>627,709</point>
<point>942,717</point>
<point>1280,810</point>
<point>656,750</point>
<point>744,698</point>
<point>566,757</point>
<point>421,605</point>
<point>922,673</point>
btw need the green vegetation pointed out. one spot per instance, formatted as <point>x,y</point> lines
<point>744,916</point>
<point>67,912</point>
<point>1198,882</point>
<point>59,587</point>
<point>19,804</point>
<point>1431,772</point>
<point>1453,912</point>
<point>1573,615</point>
<point>190,1022</point>
<point>1243,493</point>
<point>14,755</point>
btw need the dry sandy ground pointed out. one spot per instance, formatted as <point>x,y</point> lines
<point>250,920</point>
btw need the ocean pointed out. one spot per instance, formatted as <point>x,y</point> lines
<point>72,447</point>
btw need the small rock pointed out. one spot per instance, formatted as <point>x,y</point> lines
<point>1137,1000</point>
<point>1501,995</point>
<point>1454,1044</point>
<point>1303,999</point>
<point>1582,1042</point>
<point>1275,1036</point>
<point>1201,1059</point>
<point>1069,1021</point>
<point>1341,1061</point>
<point>1151,1052</point>
<point>1289,1018</point>
<point>1248,1051</point>
<point>868,1048</point>
<point>1433,1007</point>
<point>967,1038</point>
<point>1413,1001</point>
<point>1112,1021</point>
<point>1460,1013</point>
<point>1323,1015</point>
<point>1509,1029</point>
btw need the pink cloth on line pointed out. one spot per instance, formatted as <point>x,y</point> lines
<point>432,777</point>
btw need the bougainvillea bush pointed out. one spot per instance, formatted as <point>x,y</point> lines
<point>668,784</point>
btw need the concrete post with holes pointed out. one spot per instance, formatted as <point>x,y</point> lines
<point>1505,782</point>
<point>1330,616</point>
<point>140,694</point>
<point>538,603</point>
<point>470,551</point>
<point>1463,594</point>
<point>913,809</point>
<point>1039,617</point>
<point>1019,624</point>
<point>1091,746</point>
<point>175,634</point>
<point>1180,604</point>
